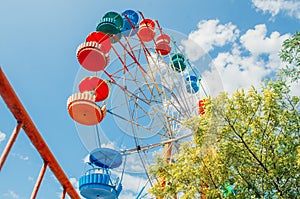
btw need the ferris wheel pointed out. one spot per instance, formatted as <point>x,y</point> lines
<point>134,90</point>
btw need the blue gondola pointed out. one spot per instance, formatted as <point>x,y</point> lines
<point>97,182</point>
<point>192,84</point>
<point>128,26</point>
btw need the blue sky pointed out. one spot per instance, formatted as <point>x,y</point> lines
<point>38,40</point>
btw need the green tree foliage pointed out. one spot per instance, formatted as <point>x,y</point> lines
<point>290,53</point>
<point>245,146</point>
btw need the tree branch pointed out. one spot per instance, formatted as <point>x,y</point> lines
<point>258,195</point>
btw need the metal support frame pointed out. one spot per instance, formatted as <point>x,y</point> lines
<point>39,181</point>
<point>17,109</point>
<point>10,143</point>
<point>63,195</point>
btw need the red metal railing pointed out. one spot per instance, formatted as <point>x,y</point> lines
<point>24,121</point>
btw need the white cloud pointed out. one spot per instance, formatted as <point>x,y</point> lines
<point>251,57</point>
<point>134,164</point>
<point>25,158</point>
<point>239,71</point>
<point>256,40</point>
<point>210,34</point>
<point>86,159</point>
<point>274,7</point>
<point>21,157</point>
<point>2,136</point>
<point>249,63</point>
<point>132,185</point>
<point>258,43</point>
<point>127,195</point>
<point>245,70</point>
<point>11,195</point>
<point>30,178</point>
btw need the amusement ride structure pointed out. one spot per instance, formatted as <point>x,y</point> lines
<point>133,91</point>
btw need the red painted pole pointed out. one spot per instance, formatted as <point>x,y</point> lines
<point>39,181</point>
<point>10,143</point>
<point>63,195</point>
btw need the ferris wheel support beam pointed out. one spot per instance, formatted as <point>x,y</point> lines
<point>130,54</point>
<point>17,109</point>
<point>168,154</point>
<point>151,146</point>
<point>159,28</point>
<point>120,59</point>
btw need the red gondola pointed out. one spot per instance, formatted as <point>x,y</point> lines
<point>83,109</point>
<point>96,85</point>
<point>100,38</point>
<point>146,30</point>
<point>202,106</point>
<point>91,56</point>
<point>163,44</point>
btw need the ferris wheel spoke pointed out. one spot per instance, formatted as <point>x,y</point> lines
<point>155,145</point>
<point>130,54</point>
<point>166,81</point>
<point>181,91</point>
<point>145,97</point>
<point>133,122</point>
